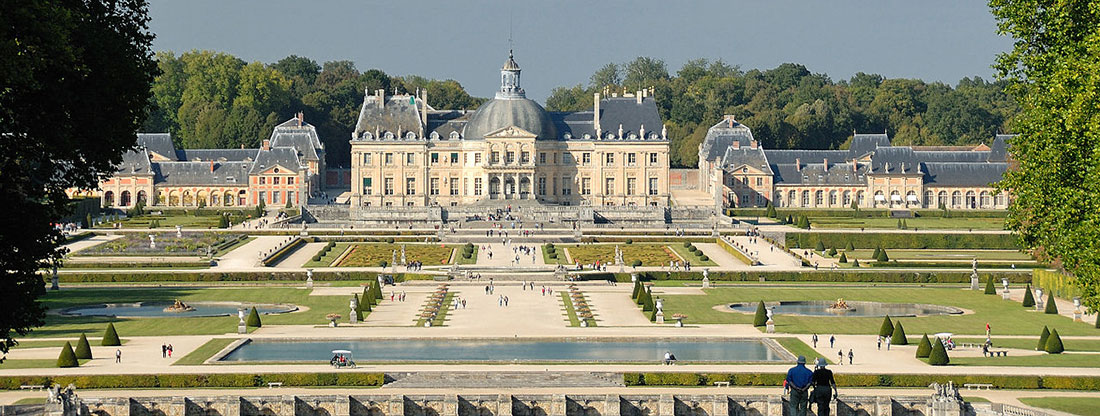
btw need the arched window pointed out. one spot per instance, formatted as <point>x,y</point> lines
<point>228,199</point>
<point>929,199</point>
<point>187,198</point>
<point>999,199</point>
<point>956,199</point>
<point>941,199</point>
<point>911,198</point>
<point>971,201</point>
<point>986,199</point>
<point>778,199</point>
<point>215,199</point>
<point>880,198</point>
<point>859,198</point>
<point>792,198</point>
<point>819,198</point>
<point>108,199</point>
<point>454,135</point>
<point>895,197</point>
<point>124,199</point>
<point>832,198</point>
<point>142,197</point>
<point>847,198</point>
<point>805,198</point>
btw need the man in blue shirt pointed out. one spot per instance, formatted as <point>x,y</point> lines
<point>798,383</point>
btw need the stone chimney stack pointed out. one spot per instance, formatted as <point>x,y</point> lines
<point>855,166</point>
<point>380,95</point>
<point>596,113</point>
<point>798,164</point>
<point>266,145</point>
<point>424,108</point>
<point>754,144</point>
<point>736,145</point>
<point>638,97</point>
<point>826,164</point>
<point>301,118</point>
<point>211,166</point>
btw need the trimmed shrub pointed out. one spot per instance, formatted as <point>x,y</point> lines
<point>887,327</point>
<point>899,338</point>
<point>1029,299</point>
<point>110,337</point>
<point>761,318</point>
<point>989,288</point>
<point>704,257</point>
<point>636,263</point>
<point>820,246</point>
<point>843,258</point>
<point>832,252</point>
<point>647,301</point>
<point>1042,345</point>
<point>860,240</point>
<point>882,256</point>
<point>383,263</point>
<point>939,354</point>
<point>629,241</point>
<point>878,251</point>
<point>924,348</point>
<point>83,350</point>
<point>1051,307</point>
<point>253,319</point>
<point>67,358</point>
<point>317,257</point>
<point>1054,343</point>
<point>849,247</point>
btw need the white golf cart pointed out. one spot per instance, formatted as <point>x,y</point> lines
<point>341,359</point>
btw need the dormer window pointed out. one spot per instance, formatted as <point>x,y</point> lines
<point>434,136</point>
<point>633,136</point>
<point>389,135</point>
<point>276,170</point>
<point>454,135</point>
<point>587,136</point>
<point>567,136</point>
<point>652,136</point>
<point>410,136</point>
<point>367,136</point>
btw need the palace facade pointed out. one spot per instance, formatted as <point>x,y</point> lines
<point>872,173</point>
<point>407,153</point>
<point>286,169</point>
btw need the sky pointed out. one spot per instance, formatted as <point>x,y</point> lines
<point>562,42</point>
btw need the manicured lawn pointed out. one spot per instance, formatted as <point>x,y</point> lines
<point>373,254</point>
<point>1076,405</point>
<point>922,223</point>
<point>797,347</point>
<point>1044,360</point>
<point>185,219</point>
<point>570,313</point>
<point>1030,343</point>
<point>1006,317</point>
<point>462,260</point>
<point>64,326</point>
<point>649,254</point>
<point>329,257</point>
<point>560,259</point>
<point>696,260</point>
<point>944,255</point>
<point>10,364</point>
<point>205,351</point>
<point>58,343</point>
<point>137,244</point>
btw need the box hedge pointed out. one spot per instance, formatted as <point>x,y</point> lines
<point>867,380</point>
<point>905,240</point>
<point>131,381</point>
<point>867,276</point>
<point>208,276</point>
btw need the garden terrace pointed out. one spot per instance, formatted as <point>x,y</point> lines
<point>381,254</point>
<point>167,244</point>
<point>647,253</point>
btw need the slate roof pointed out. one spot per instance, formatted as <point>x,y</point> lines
<point>198,173</point>
<point>806,156</point>
<point>864,143</point>
<point>964,174</point>
<point>135,162</point>
<point>397,116</point>
<point>816,174</point>
<point>283,156</point>
<point>631,115</point>
<point>721,137</point>
<point>159,143</point>
<point>518,111</point>
<point>998,152</point>
<point>225,155</point>
<point>302,138</point>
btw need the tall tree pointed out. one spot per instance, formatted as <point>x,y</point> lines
<point>76,79</point>
<point>1053,70</point>
<point>607,76</point>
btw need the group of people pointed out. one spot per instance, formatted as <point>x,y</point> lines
<point>840,352</point>
<point>400,297</point>
<point>165,351</point>
<point>676,265</point>
<point>799,382</point>
<point>413,266</point>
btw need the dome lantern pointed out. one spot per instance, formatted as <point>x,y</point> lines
<point>509,79</point>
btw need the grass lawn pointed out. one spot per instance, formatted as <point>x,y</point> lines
<point>1044,360</point>
<point>31,400</point>
<point>205,351</point>
<point>10,364</point>
<point>373,254</point>
<point>571,313</point>
<point>560,259</point>
<point>923,223</point>
<point>1006,317</point>
<point>329,257</point>
<point>649,254</point>
<point>1075,405</point>
<point>184,218</point>
<point>1029,343</point>
<point>696,260</point>
<point>797,347</point>
<point>944,255</point>
<point>65,326</point>
<point>462,260</point>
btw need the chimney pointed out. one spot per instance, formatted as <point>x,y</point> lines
<point>826,164</point>
<point>211,166</point>
<point>242,146</point>
<point>638,97</point>
<point>424,108</point>
<point>380,95</point>
<point>266,145</point>
<point>730,120</point>
<point>596,113</point>
<point>736,145</point>
<point>301,118</point>
<point>798,164</point>
<point>753,144</point>
<point>855,167</point>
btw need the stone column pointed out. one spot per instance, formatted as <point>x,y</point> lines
<point>450,405</point>
<point>557,405</point>
<point>612,405</point>
<point>721,406</point>
<point>666,405</point>
<point>504,405</point>
<point>396,405</point>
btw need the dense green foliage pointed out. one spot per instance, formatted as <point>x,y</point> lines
<point>253,319</point>
<point>215,100</point>
<point>83,350</point>
<point>74,86</point>
<point>1052,71</point>
<point>67,358</point>
<point>887,327</point>
<point>865,380</point>
<point>905,241</point>
<point>134,381</point>
<point>1057,283</point>
<point>761,317</point>
<point>790,107</point>
<point>110,337</point>
<point>938,356</point>
<point>898,337</point>
<point>989,288</point>
<point>924,348</point>
<point>1054,343</point>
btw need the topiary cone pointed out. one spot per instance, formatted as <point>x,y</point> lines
<point>83,350</point>
<point>253,319</point>
<point>761,318</point>
<point>938,356</point>
<point>899,338</point>
<point>648,304</point>
<point>924,348</point>
<point>1042,345</point>
<point>1051,307</point>
<point>843,258</point>
<point>110,337</point>
<point>67,359</point>
<point>878,251</point>
<point>989,288</point>
<point>820,246</point>
<point>1054,343</point>
<point>1029,299</point>
<point>887,327</point>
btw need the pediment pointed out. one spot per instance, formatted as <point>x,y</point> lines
<point>750,170</point>
<point>510,132</point>
<point>282,170</point>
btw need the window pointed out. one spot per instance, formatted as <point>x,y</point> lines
<point>555,158</point>
<point>805,198</point>
<point>542,185</point>
<point>542,158</point>
<point>275,180</point>
<point>389,158</point>
<point>477,186</point>
<point>275,198</point>
<point>653,158</point>
<point>609,159</point>
<point>631,185</point>
<point>453,186</point>
<point>759,182</point>
<point>509,157</point>
<point>410,158</point>
<point>653,186</point>
<point>388,186</point>
<point>832,198</point>
<point>367,159</point>
<point>567,158</point>
<point>609,186</point>
<point>290,181</point>
<point>631,159</point>
<point>410,186</point>
<point>290,197</point>
<point>847,198</point>
<point>433,186</point>
<point>367,186</point>
<point>263,180</point>
<point>525,157</point>
<point>435,158</point>
<point>477,158</point>
<point>819,198</point>
<point>566,188</point>
<point>494,157</point>
<point>586,186</point>
<point>586,158</point>
<point>928,199</point>
<point>454,157</point>
<point>263,197</point>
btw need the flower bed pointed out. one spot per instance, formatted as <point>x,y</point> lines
<point>374,254</point>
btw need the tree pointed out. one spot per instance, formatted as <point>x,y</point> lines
<point>110,337</point>
<point>831,252</point>
<point>253,319</point>
<point>843,258</point>
<point>938,356</point>
<point>607,76</point>
<point>1051,307</point>
<point>820,246</point>
<point>989,288</point>
<point>1043,339</point>
<point>924,348</point>
<point>1052,71</point>
<point>887,327</point>
<point>761,317</point>
<point>647,300</point>
<point>223,221</point>
<point>1029,299</point>
<point>76,87</point>
<point>771,213</point>
<point>67,359</point>
<point>882,256</point>
<point>898,337</point>
<point>1054,343</point>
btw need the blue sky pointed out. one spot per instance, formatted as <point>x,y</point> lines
<point>561,42</point>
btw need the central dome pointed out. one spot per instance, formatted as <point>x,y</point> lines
<point>500,113</point>
<point>510,107</point>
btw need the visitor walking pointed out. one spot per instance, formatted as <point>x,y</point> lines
<point>887,344</point>
<point>824,387</point>
<point>832,339</point>
<point>815,340</point>
<point>169,350</point>
<point>840,354</point>
<point>163,351</point>
<point>880,343</point>
<point>851,356</point>
<point>505,301</point>
<point>118,356</point>
<point>798,384</point>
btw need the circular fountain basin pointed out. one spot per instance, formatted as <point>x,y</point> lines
<point>854,309</point>
<point>159,309</point>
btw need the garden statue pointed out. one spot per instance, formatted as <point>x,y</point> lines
<point>179,307</point>
<point>152,241</point>
<point>660,306</point>
<point>1038,299</point>
<point>1077,313</point>
<point>1004,293</point>
<point>353,315</point>
<point>403,255</point>
<point>706,279</point>
<point>309,278</point>
<point>241,327</point>
<point>179,231</point>
<point>974,275</point>
<point>393,262</point>
<point>54,280</point>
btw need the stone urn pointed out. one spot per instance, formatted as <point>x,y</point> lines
<point>332,319</point>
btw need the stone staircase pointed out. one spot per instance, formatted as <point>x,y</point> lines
<point>494,379</point>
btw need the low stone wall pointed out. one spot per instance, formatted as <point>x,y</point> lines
<point>495,405</point>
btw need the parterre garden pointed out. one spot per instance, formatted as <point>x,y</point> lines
<point>167,244</point>
<point>381,254</point>
<point>634,254</point>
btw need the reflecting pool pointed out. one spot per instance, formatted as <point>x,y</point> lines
<point>850,308</point>
<point>159,309</point>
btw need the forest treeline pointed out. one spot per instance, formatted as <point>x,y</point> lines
<point>215,100</point>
